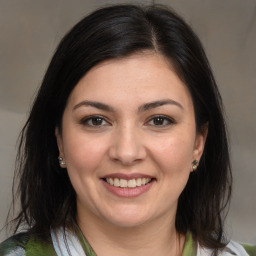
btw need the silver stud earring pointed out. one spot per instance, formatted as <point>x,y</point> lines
<point>195,164</point>
<point>61,162</point>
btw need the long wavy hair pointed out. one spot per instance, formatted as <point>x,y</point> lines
<point>46,196</point>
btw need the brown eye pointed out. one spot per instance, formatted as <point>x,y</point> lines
<point>160,121</point>
<point>94,121</point>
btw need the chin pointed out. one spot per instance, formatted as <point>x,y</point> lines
<point>127,218</point>
<point>128,223</point>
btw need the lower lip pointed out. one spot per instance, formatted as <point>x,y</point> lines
<point>128,192</point>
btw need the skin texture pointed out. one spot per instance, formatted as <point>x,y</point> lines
<point>128,138</point>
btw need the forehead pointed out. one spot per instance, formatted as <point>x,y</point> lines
<point>139,77</point>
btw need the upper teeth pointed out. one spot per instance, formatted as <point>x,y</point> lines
<point>128,183</point>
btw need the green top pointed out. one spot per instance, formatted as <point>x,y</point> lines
<point>24,244</point>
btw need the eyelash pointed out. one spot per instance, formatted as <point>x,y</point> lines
<point>88,121</point>
<point>163,118</point>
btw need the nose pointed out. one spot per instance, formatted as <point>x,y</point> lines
<point>127,146</point>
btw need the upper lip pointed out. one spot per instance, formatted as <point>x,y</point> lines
<point>127,176</point>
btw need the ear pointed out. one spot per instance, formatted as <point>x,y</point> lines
<point>200,142</point>
<point>59,141</point>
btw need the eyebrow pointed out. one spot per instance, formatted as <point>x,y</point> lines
<point>143,108</point>
<point>94,104</point>
<point>159,103</point>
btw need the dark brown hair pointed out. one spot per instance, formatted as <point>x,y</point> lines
<point>47,197</point>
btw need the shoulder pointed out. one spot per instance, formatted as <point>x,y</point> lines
<point>241,249</point>
<point>250,249</point>
<point>14,245</point>
<point>25,244</point>
<point>231,249</point>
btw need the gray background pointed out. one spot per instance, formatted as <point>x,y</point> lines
<point>31,29</point>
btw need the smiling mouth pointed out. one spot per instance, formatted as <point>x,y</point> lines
<point>131,183</point>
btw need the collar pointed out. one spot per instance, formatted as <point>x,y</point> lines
<point>76,244</point>
<point>189,247</point>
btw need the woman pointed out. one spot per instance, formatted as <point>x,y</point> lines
<point>109,157</point>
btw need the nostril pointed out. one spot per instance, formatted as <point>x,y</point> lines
<point>127,157</point>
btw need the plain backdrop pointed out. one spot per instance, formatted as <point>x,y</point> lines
<point>31,29</point>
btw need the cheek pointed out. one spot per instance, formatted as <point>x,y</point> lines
<point>173,159</point>
<point>83,157</point>
<point>83,153</point>
<point>174,154</point>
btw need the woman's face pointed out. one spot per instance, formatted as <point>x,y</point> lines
<point>129,139</point>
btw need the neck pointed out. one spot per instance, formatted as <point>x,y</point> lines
<point>155,238</point>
